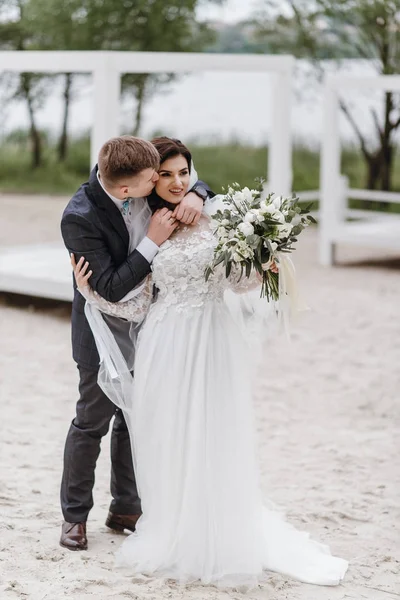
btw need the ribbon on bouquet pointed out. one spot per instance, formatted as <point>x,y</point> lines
<point>290,301</point>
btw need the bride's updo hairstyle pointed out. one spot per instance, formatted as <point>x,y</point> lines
<point>169,147</point>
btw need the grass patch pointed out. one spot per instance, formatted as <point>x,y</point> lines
<point>217,164</point>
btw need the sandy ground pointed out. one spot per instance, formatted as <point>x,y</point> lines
<point>328,420</point>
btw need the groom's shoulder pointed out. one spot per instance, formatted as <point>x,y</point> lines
<point>80,203</point>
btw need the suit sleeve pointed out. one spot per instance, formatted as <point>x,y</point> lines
<point>201,185</point>
<point>82,238</point>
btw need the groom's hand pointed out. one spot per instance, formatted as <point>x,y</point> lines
<point>162,225</point>
<point>189,210</point>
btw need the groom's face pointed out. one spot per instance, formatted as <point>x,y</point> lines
<point>139,185</point>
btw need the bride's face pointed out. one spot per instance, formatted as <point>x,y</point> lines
<point>173,182</point>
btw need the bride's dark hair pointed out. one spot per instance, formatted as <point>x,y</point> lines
<point>169,147</point>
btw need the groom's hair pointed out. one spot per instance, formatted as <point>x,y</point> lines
<point>126,156</point>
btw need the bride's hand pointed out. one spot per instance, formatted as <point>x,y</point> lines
<point>81,277</point>
<point>189,210</point>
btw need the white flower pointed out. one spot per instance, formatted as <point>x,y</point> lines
<point>266,207</point>
<point>260,218</point>
<point>225,222</point>
<point>238,197</point>
<point>245,250</point>
<point>236,257</point>
<point>250,217</point>
<point>278,216</point>
<point>222,233</point>
<point>248,195</point>
<point>246,229</point>
<point>284,230</point>
<point>277,202</point>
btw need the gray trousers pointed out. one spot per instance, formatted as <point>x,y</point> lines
<point>94,412</point>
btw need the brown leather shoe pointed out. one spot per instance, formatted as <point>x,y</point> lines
<point>121,522</point>
<point>73,536</point>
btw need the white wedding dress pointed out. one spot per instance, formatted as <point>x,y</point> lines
<point>189,412</point>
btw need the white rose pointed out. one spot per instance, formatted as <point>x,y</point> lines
<point>250,217</point>
<point>238,197</point>
<point>278,216</point>
<point>246,229</point>
<point>236,257</point>
<point>248,195</point>
<point>266,208</point>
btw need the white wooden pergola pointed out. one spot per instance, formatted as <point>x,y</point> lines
<point>369,230</point>
<point>30,269</point>
<point>107,68</point>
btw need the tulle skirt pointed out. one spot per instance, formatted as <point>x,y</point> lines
<point>192,430</point>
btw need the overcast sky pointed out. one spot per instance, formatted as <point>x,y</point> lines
<point>231,11</point>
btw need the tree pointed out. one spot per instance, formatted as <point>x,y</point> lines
<point>138,25</point>
<point>32,88</point>
<point>57,25</point>
<point>368,29</point>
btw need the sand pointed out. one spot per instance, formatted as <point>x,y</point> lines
<point>327,408</point>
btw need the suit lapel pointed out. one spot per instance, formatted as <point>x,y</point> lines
<point>108,208</point>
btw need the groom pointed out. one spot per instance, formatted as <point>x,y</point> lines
<point>94,225</point>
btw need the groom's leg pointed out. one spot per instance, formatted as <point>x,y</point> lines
<point>123,484</point>
<point>82,448</point>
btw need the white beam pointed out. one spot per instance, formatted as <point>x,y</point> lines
<point>280,146</point>
<point>330,176</point>
<point>106,95</point>
<point>140,62</point>
<point>386,83</point>
<point>44,61</point>
<point>161,62</point>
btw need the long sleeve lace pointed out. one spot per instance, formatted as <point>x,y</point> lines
<point>134,309</point>
<point>242,284</point>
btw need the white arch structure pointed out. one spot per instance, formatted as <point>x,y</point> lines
<point>107,68</point>
<point>370,229</point>
<point>45,272</point>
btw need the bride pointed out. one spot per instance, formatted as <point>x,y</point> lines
<point>189,413</point>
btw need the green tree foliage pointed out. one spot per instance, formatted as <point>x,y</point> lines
<point>125,25</point>
<point>367,29</point>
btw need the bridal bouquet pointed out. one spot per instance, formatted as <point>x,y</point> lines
<point>254,233</point>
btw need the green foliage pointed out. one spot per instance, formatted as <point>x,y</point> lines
<point>218,164</point>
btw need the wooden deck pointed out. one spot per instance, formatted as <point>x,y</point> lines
<point>41,270</point>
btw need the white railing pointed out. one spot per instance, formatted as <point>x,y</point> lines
<point>345,193</point>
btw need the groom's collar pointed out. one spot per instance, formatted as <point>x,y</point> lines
<point>100,195</point>
<point>103,201</point>
<point>118,203</point>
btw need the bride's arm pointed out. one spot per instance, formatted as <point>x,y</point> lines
<point>134,309</point>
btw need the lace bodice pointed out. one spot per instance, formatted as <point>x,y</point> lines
<point>178,272</point>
